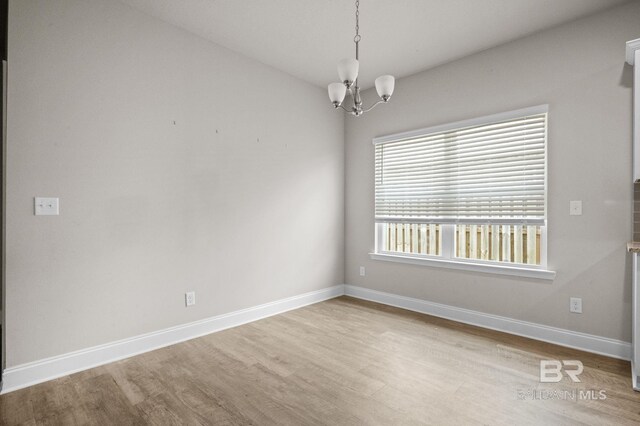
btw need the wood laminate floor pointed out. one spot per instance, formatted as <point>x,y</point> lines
<point>339,362</point>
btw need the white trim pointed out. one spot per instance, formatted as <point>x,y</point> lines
<point>572,339</point>
<point>632,46</point>
<point>43,370</point>
<point>634,377</point>
<point>466,266</point>
<point>487,119</point>
<point>448,238</point>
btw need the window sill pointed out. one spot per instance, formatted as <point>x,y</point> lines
<point>542,274</point>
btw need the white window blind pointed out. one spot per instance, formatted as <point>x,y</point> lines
<point>489,170</point>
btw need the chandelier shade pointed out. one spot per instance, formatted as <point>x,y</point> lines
<point>385,85</point>
<point>337,92</point>
<point>348,70</point>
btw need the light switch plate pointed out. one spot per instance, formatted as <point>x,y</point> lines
<point>575,208</point>
<point>46,206</point>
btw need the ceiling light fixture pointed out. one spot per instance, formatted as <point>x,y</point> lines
<point>348,73</point>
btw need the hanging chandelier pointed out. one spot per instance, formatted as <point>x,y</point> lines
<point>348,73</point>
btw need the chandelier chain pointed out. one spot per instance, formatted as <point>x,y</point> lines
<point>357,38</point>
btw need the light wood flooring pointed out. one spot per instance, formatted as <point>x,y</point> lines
<point>339,362</point>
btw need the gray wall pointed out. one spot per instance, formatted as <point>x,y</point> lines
<point>579,70</point>
<point>241,199</point>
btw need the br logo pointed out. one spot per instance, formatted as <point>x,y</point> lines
<point>551,370</point>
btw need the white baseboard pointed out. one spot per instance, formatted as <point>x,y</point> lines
<point>32,373</point>
<point>24,375</point>
<point>573,339</point>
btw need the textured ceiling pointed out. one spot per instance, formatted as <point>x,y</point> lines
<point>306,38</point>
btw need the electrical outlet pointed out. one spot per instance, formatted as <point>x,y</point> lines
<point>362,271</point>
<point>575,305</point>
<point>190,298</point>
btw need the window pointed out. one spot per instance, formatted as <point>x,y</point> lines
<point>471,193</point>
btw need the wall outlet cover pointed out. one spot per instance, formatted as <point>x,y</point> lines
<point>575,305</point>
<point>190,298</point>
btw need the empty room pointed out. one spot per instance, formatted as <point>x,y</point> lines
<point>320,212</point>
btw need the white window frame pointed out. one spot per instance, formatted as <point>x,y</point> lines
<point>447,257</point>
